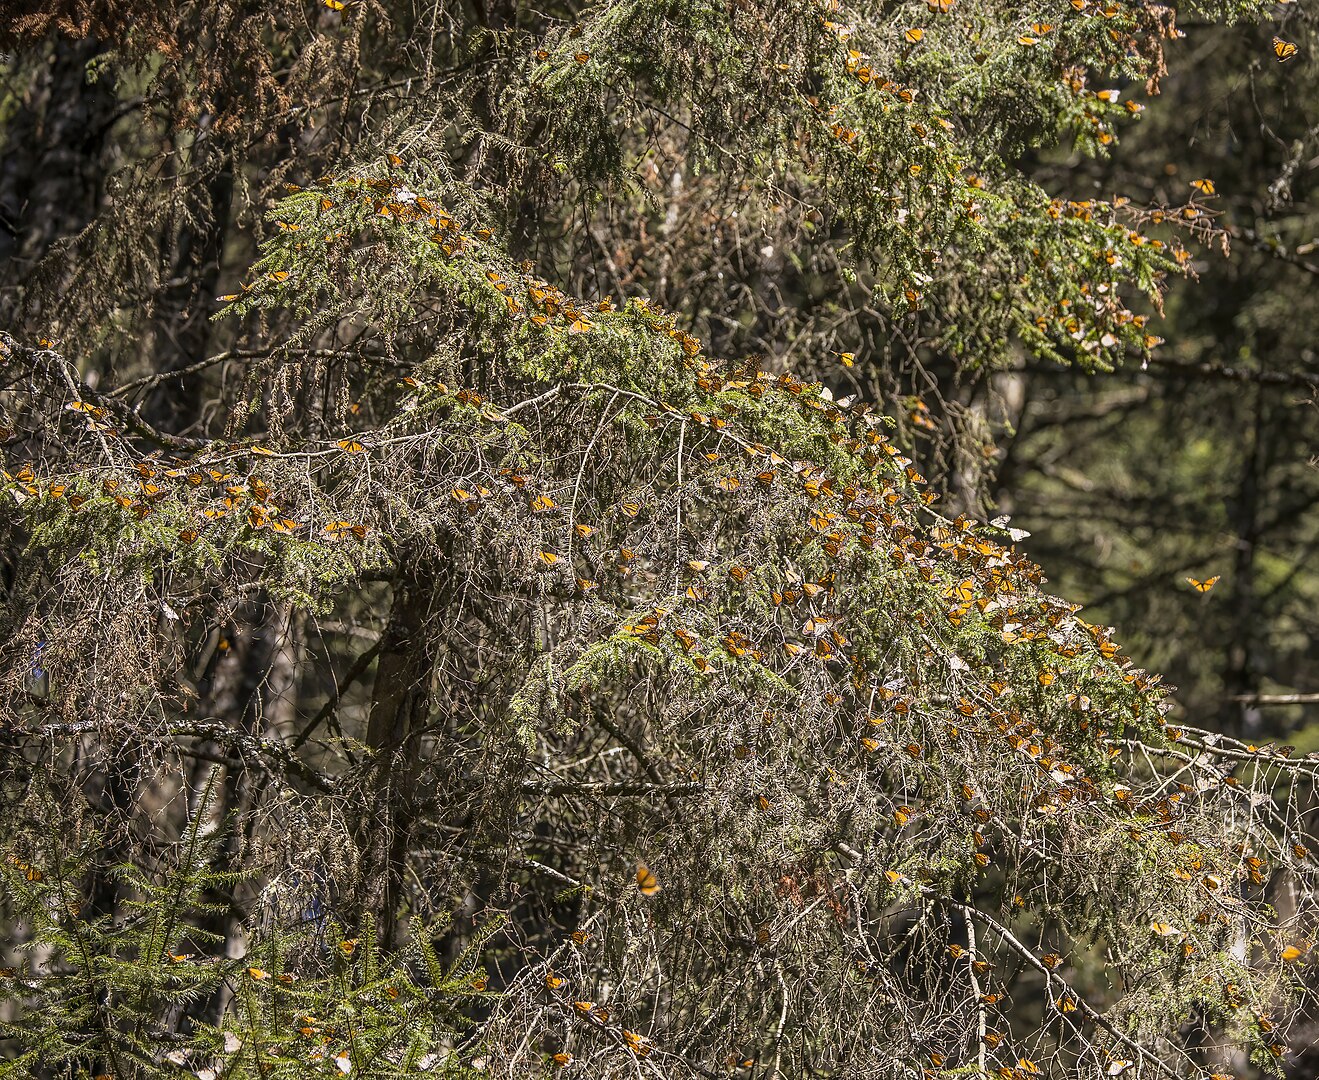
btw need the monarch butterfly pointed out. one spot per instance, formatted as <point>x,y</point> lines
<point>1205,187</point>
<point>913,35</point>
<point>963,592</point>
<point>1203,586</point>
<point>350,446</point>
<point>647,882</point>
<point>1283,50</point>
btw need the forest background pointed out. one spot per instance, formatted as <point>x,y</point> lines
<point>1163,471</point>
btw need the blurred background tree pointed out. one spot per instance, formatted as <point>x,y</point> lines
<point>1201,464</point>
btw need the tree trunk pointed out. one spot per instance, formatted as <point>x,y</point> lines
<point>1240,676</point>
<point>400,706</point>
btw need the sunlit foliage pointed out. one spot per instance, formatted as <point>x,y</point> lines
<point>488,663</point>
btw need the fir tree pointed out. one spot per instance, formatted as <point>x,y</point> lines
<point>590,689</point>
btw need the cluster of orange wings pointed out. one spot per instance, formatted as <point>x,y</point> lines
<point>249,497</point>
<point>590,1012</point>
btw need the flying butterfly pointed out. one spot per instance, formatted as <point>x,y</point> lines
<point>647,882</point>
<point>1203,586</point>
<point>1283,50</point>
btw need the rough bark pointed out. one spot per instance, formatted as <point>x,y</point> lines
<point>400,705</point>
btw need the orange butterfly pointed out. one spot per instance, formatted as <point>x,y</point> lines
<point>647,882</point>
<point>1203,586</point>
<point>1283,50</point>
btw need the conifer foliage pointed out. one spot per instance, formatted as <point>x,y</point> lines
<point>448,631</point>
